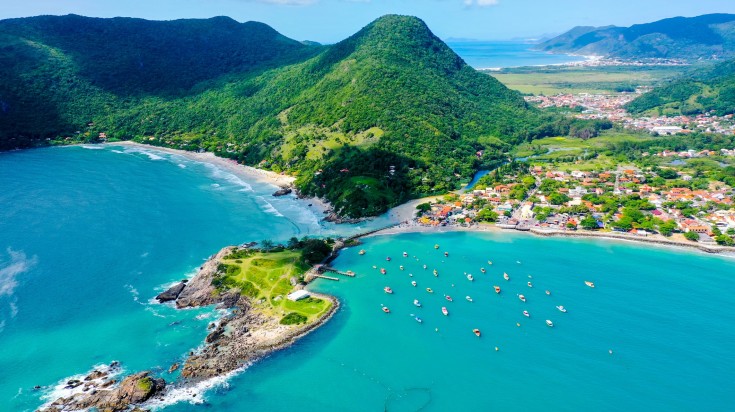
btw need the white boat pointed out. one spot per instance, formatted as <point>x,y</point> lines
<point>548,292</point>
<point>470,278</point>
<point>530,285</point>
<point>405,254</point>
<point>522,298</point>
<point>416,303</point>
<point>469,299</point>
<point>549,323</point>
<point>526,314</point>
<point>562,309</point>
<point>413,283</point>
<point>418,319</point>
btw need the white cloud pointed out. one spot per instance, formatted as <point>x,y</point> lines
<point>481,3</point>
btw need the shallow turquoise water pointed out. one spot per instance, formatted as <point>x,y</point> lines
<point>88,237</point>
<point>497,54</point>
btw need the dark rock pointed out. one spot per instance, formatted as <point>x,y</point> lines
<point>173,367</point>
<point>172,293</point>
<point>283,191</point>
<point>95,375</point>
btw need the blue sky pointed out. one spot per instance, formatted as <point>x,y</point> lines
<point>332,20</point>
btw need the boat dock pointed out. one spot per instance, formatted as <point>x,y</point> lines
<point>333,270</point>
<point>325,277</point>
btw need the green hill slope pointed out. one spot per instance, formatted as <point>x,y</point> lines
<point>385,115</point>
<point>702,37</point>
<point>703,90</point>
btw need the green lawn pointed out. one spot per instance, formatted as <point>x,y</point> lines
<point>266,278</point>
<point>595,80</point>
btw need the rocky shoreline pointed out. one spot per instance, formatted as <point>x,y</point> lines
<point>237,339</point>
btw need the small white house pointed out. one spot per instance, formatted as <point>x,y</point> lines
<point>298,295</point>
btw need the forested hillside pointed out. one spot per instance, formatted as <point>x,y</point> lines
<point>709,89</point>
<point>387,114</point>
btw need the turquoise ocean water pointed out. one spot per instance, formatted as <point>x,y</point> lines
<point>88,237</point>
<point>497,54</point>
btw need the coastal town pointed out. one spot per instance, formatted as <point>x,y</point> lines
<point>630,202</point>
<point>612,107</point>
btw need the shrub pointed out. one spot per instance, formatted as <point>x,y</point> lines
<point>293,318</point>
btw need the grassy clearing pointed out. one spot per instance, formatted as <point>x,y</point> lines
<point>266,278</point>
<point>595,80</point>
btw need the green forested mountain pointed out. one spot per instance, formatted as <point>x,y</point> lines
<point>702,37</point>
<point>386,114</point>
<point>702,90</point>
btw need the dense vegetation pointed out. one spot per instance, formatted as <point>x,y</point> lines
<point>691,38</point>
<point>387,114</point>
<point>704,90</point>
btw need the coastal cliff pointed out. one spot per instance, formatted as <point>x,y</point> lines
<point>251,329</point>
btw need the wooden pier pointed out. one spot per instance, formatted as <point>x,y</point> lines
<point>339,272</point>
<point>325,277</point>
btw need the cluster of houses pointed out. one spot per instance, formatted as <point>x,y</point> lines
<point>544,211</point>
<point>612,107</point>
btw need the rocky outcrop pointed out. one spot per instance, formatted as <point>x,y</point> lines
<point>199,291</point>
<point>283,191</point>
<point>172,293</point>
<point>133,390</point>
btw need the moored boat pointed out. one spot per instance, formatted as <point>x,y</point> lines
<point>530,285</point>
<point>436,246</point>
<point>388,290</point>
<point>418,319</point>
<point>388,258</point>
<point>385,309</point>
<point>497,289</point>
<point>588,283</point>
<point>405,254</point>
<point>429,290</point>
<point>362,251</point>
<point>470,278</point>
<point>383,271</point>
<point>476,332</point>
<point>526,314</point>
<point>400,267</point>
<point>447,297</point>
<point>445,311</point>
<point>562,309</point>
<point>446,254</point>
<point>548,292</point>
<point>522,298</point>
<point>489,262</point>
<point>416,303</point>
<point>469,299</point>
<point>482,270</point>
<point>424,266</point>
<point>413,282</point>
<point>505,276</point>
<point>549,323</point>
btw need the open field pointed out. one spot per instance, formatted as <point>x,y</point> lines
<point>595,80</point>
<point>266,278</point>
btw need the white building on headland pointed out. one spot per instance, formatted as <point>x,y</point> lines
<point>298,295</point>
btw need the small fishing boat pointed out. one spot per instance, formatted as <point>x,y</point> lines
<point>445,311</point>
<point>446,254</point>
<point>410,275</point>
<point>482,270</point>
<point>418,319</point>
<point>469,299</point>
<point>549,323</point>
<point>497,289</point>
<point>383,271</point>
<point>505,276</point>
<point>429,290</point>
<point>489,262</point>
<point>413,283</point>
<point>476,332</point>
<point>470,278</point>
<point>526,314</point>
<point>530,285</point>
<point>518,261</point>
<point>375,267</point>
<point>385,309</point>
<point>530,277</point>
<point>548,292</point>
<point>436,274</point>
<point>522,298</point>
<point>362,251</point>
<point>416,303</point>
<point>562,309</point>
<point>388,290</point>
<point>405,254</point>
<point>436,246</point>
<point>447,297</point>
<point>388,258</point>
<point>588,283</point>
<point>424,266</point>
<point>400,267</point>
<point>350,273</point>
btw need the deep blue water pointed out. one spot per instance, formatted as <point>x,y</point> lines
<point>501,54</point>
<point>88,237</point>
